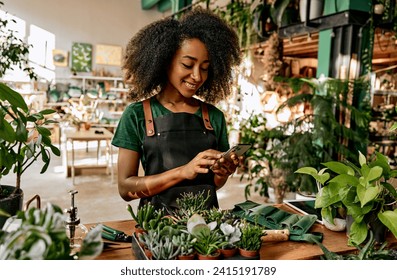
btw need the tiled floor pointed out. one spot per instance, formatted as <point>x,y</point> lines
<point>98,199</point>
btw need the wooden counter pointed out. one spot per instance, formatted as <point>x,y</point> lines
<point>284,250</point>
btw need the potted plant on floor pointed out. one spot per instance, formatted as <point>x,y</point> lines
<point>24,137</point>
<point>364,191</point>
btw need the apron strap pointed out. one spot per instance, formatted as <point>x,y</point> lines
<point>206,116</point>
<point>148,117</point>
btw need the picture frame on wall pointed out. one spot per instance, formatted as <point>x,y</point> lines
<point>81,57</point>
<point>60,58</point>
<point>108,55</point>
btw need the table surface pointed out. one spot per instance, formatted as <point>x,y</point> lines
<point>282,250</point>
<point>89,135</point>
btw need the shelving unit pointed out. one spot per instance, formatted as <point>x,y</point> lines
<point>97,78</point>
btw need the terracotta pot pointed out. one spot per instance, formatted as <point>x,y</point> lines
<point>228,253</point>
<point>214,256</point>
<point>248,253</point>
<point>139,230</point>
<point>148,253</point>
<point>187,257</point>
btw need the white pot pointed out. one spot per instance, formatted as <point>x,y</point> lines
<point>339,224</point>
<point>316,9</point>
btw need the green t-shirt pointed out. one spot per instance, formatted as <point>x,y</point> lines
<point>130,131</point>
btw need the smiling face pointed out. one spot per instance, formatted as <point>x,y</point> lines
<point>189,68</point>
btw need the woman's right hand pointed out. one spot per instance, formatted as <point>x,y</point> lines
<point>200,164</point>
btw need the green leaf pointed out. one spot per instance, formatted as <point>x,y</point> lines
<point>327,214</point>
<point>362,159</point>
<point>339,167</point>
<point>47,111</point>
<point>345,180</point>
<point>43,131</point>
<point>13,97</point>
<point>322,178</point>
<point>367,194</point>
<point>382,162</point>
<point>6,131</point>
<point>358,233</point>
<point>389,219</point>
<point>374,173</point>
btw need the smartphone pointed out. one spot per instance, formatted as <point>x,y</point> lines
<point>239,150</point>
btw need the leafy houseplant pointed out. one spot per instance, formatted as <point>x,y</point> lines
<point>24,137</point>
<point>364,191</point>
<point>42,236</point>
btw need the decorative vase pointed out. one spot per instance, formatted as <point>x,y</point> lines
<point>228,253</point>
<point>248,253</point>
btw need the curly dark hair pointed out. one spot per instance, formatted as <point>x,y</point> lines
<point>149,54</point>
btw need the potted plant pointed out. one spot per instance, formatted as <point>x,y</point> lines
<point>41,235</point>
<point>250,241</point>
<point>146,217</point>
<point>231,235</point>
<point>209,240</point>
<point>185,242</point>
<point>364,191</point>
<point>24,137</point>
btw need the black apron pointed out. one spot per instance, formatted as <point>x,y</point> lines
<point>171,141</point>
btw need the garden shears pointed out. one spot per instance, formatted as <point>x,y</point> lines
<point>115,235</point>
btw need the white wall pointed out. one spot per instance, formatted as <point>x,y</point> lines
<point>87,21</point>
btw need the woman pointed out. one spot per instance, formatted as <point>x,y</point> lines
<point>172,67</point>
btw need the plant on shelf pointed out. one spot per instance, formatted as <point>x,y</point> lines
<point>364,191</point>
<point>41,235</point>
<point>332,128</point>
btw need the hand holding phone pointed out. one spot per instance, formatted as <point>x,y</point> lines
<point>238,150</point>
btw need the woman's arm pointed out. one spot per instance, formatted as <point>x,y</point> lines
<point>131,186</point>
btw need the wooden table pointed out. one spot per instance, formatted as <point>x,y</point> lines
<point>92,134</point>
<point>284,250</point>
